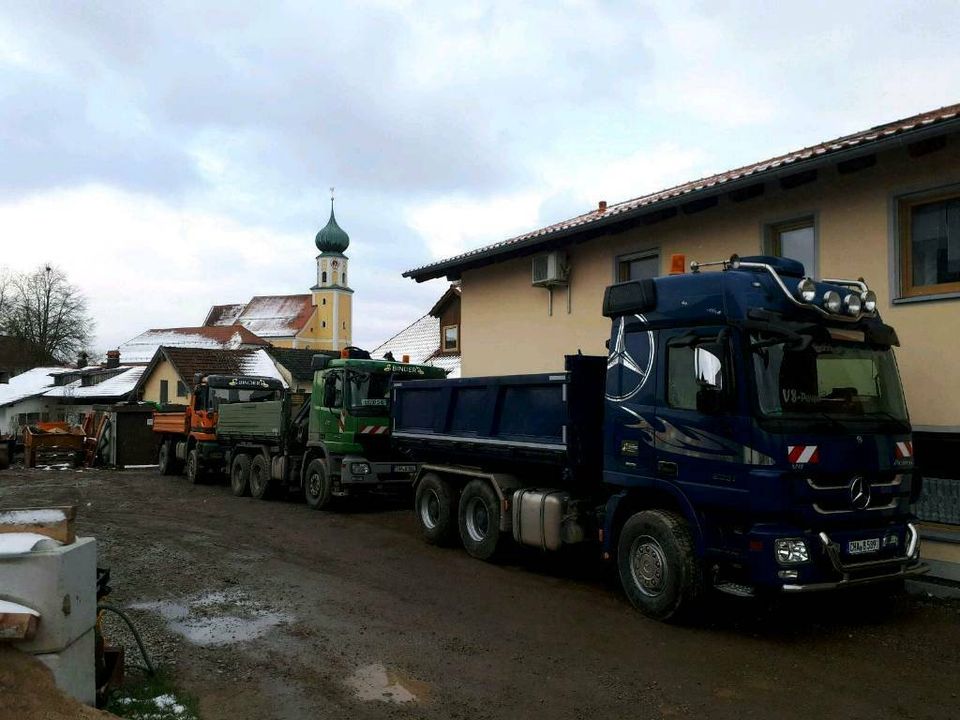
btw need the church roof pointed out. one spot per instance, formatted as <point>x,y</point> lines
<point>266,316</point>
<point>332,238</point>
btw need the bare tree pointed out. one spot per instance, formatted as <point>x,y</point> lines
<point>46,310</point>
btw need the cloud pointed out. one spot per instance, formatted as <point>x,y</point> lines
<point>173,155</point>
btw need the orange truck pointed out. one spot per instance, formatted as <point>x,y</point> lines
<point>188,437</point>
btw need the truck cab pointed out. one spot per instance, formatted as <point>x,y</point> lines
<point>349,426</point>
<point>763,410</point>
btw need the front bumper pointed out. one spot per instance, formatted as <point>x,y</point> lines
<point>868,571</point>
<point>381,473</point>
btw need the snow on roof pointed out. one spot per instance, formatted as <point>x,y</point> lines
<point>421,341</point>
<point>118,386</point>
<point>224,314</point>
<point>260,363</point>
<point>29,384</point>
<point>277,315</point>
<point>143,347</point>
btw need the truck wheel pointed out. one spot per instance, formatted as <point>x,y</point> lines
<point>194,471</point>
<point>260,485</point>
<point>436,505</point>
<point>166,462</point>
<point>317,488</point>
<point>240,475</point>
<point>659,568</point>
<point>479,520</point>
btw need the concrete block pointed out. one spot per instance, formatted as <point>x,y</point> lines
<point>73,668</point>
<point>58,581</point>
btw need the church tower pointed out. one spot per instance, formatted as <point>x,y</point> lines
<point>332,296</point>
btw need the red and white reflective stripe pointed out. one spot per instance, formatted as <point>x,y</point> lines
<point>803,454</point>
<point>341,422</point>
<point>904,450</point>
<point>374,430</point>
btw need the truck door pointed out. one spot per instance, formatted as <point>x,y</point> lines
<point>703,432</point>
<point>329,407</point>
<point>629,452</point>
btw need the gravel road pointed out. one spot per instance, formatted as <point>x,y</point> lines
<point>272,610</point>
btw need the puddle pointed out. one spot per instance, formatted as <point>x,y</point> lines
<point>217,618</point>
<point>374,682</point>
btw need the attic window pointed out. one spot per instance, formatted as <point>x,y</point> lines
<point>451,338</point>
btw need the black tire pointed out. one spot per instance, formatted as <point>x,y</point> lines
<point>166,460</point>
<point>436,505</point>
<point>317,488</point>
<point>240,475</point>
<point>658,565</point>
<point>260,485</point>
<point>194,469</point>
<point>478,518</point>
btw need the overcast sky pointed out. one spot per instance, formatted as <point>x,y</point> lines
<point>169,156</point>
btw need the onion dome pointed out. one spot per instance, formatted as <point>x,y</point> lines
<point>332,238</point>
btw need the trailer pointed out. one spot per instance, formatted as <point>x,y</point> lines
<point>333,445</point>
<point>745,433</point>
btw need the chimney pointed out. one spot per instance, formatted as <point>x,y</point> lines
<point>113,359</point>
<point>82,359</point>
<point>602,206</point>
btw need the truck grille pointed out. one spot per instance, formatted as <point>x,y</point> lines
<point>844,495</point>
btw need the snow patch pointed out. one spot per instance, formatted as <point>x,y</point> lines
<point>37,516</point>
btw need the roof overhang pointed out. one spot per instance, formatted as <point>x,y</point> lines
<point>609,223</point>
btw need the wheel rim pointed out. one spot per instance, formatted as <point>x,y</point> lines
<point>314,485</point>
<point>430,509</point>
<point>648,566</point>
<point>477,519</point>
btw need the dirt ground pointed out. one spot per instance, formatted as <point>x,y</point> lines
<point>272,610</point>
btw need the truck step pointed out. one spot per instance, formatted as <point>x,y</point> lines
<point>737,589</point>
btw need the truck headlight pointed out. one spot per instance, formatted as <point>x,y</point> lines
<point>360,468</point>
<point>807,290</point>
<point>869,299</point>
<point>831,301</point>
<point>852,304</point>
<point>791,551</point>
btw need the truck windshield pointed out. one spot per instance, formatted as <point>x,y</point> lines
<point>222,396</point>
<point>841,379</point>
<point>369,393</point>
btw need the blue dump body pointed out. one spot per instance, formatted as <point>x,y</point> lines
<point>775,427</point>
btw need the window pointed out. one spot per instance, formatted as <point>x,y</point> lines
<point>930,245</point>
<point>164,392</point>
<point>344,278</point>
<point>451,338</point>
<point>323,276</point>
<point>323,301</point>
<point>638,266</point>
<point>695,374</point>
<point>181,389</point>
<point>323,323</point>
<point>797,240</point>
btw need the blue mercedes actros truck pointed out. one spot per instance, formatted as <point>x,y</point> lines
<point>746,432</point>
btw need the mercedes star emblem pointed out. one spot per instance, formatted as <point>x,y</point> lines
<point>859,493</point>
<point>633,374</point>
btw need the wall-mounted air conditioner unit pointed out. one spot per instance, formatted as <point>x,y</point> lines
<point>550,269</point>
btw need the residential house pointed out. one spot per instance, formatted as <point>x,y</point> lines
<point>434,339</point>
<point>62,394</point>
<point>168,378</point>
<point>883,204</point>
<point>321,319</point>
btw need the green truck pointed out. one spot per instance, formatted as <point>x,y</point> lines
<point>335,444</point>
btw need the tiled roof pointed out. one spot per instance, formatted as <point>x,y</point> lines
<point>421,341</point>
<point>116,387</point>
<point>636,206</point>
<point>142,348</point>
<point>298,361</point>
<point>268,316</point>
<point>29,384</point>
<point>190,361</point>
<point>224,314</point>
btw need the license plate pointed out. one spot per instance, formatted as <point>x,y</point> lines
<point>404,468</point>
<point>858,547</point>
